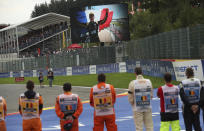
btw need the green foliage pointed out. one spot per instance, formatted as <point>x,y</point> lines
<point>57,6</point>
<point>165,15</point>
<point>119,80</point>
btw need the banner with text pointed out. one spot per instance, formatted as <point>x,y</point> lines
<point>181,66</point>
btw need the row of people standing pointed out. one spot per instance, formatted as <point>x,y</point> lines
<point>50,77</point>
<point>190,90</point>
<point>68,106</point>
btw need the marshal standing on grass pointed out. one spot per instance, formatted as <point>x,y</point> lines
<point>139,96</point>
<point>168,95</point>
<point>190,96</point>
<point>3,110</point>
<point>30,108</point>
<point>50,77</point>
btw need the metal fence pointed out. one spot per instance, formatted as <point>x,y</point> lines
<point>186,43</point>
<point>80,57</point>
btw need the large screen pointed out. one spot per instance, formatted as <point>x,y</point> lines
<point>103,23</point>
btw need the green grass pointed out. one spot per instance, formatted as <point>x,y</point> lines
<point>119,80</point>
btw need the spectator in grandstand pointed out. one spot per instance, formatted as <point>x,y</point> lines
<point>30,108</point>
<point>3,110</point>
<point>40,78</point>
<point>189,93</point>
<point>68,108</point>
<point>139,95</point>
<point>168,95</point>
<point>102,98</point>
<point>50,77</point>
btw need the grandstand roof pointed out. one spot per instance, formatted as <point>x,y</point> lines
<point>41,21</point>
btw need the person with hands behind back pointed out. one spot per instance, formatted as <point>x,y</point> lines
<point>190,96</point>
<point>68,108</point>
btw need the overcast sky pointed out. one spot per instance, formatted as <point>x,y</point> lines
<point>17,11</point>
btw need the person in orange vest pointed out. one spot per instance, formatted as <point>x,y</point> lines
<point>102,98</point>
<point>68,108</point>
<point>30,108</point>
<point>3,110</point>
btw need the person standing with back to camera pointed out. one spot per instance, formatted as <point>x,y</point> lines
<point>139,96</point>
<point>102,98</point>
<point>30,108</point>
<point>168,95</point>
<point>3,113</point>
<point>190,96</point>
<point>68,108</point>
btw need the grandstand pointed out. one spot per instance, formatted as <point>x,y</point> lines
<point>34,37</point>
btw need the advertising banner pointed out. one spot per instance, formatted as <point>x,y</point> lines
<point>11,74</point>
<point>130,66</point>
<point>4,75</point>
<point>22,73</point>
<point>69,71</point>
<point>181,66</point>
<point>80,70</point>
<point>92,69</point>
<point>16,74</point>
<point>59,72</point>
<point>107,68</point>
<point>122,67</point>
<point>34,73</point>
<point>157,68</point>
<point>28,73</point>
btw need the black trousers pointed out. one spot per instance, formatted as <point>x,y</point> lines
<point>191,119</point>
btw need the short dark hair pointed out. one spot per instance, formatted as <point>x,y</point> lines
<point>101,77</point>
<point>138,70</point>
<point>30,85</point>
<point>167,77</point>
<point>67,87</point>
<point>189,72</point>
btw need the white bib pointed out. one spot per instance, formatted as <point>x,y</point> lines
<point>29,107</point>
<point>103,100</point>
<point>68,103</point>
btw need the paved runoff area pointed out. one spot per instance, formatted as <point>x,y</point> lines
<point>50,121</point>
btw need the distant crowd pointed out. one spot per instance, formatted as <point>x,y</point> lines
<point>34,36</point>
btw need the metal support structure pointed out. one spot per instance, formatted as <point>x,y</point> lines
<point>17,41</point>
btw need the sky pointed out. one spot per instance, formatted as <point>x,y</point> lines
<point>17,11</point>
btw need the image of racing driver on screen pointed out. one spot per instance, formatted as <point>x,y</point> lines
<point>92,27</point>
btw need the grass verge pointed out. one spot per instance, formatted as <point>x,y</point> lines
<point>119,80</point>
